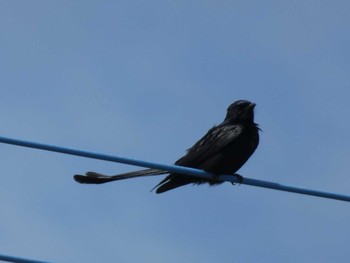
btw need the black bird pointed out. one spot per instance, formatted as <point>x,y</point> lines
<point>223,150</point>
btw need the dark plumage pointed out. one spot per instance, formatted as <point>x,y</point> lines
<point>223,150</point>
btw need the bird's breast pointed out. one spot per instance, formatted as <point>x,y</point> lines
<point>230,159</point>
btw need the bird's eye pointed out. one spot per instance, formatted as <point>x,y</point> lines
<point>243,106</point>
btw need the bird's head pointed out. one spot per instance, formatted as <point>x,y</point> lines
<point>240,111</point>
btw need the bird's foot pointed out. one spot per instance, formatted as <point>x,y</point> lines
<point>239,179</point>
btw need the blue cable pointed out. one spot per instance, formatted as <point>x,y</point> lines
<point>175,169</point>
<point>18,260</point>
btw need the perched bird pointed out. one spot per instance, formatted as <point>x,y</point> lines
<point>223,150</point>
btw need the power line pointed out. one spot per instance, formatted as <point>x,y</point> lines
<point>18,260</point>
<point>175,169</point>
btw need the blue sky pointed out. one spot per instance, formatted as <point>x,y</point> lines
<point>146,79</point>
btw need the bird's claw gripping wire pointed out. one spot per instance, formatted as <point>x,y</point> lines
<point>240,179</point>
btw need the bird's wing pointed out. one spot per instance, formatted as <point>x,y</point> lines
<point>213,142</point>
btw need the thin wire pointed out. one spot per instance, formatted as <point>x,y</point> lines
<point>175,169</point>
<point>18,260</point>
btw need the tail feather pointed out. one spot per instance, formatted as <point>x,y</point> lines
<point>172,181</point>
<point>97,178</point>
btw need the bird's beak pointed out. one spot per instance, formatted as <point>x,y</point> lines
<point>251,106</point>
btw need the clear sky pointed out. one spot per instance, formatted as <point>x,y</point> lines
<point>146,79</point>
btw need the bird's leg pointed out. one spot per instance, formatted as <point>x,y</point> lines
<point>239,179</point>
